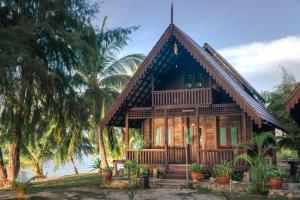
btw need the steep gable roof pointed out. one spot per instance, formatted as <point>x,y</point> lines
<point>292,103</point>
<point>218,72</point>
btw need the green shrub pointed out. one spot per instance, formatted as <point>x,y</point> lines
<point>237,175</point>
<point>195,167</point>
<point>223,169</point>
<point>287,154</point>
<point>277,173</point>
<point>107,169</point>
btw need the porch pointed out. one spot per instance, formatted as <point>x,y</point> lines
<point>178,155</point>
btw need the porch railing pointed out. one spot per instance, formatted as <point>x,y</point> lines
<point>177,155</point>
<point>181,97</point>
<point>147,156</point>
<point>210,157</point>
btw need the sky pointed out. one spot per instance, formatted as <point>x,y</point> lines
<point>255,36</point>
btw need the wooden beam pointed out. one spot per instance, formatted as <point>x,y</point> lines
<point>244,128</point>
<point>166,138</point>
<point>126,130</point>
<point>197,137</point>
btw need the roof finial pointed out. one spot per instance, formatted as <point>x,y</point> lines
<point>172,13</point>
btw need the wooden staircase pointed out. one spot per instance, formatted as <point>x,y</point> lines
<point>176,171</point>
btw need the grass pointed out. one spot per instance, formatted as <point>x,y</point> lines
<point>59,187</point>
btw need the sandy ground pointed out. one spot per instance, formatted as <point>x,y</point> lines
<point>116,194</point>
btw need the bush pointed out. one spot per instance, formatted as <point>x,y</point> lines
<point>223,169</point>
<point>277,173</point>
<point>237,175</point>
<point>287,154</point>
<point>107,169</point>
<point>195,167</point>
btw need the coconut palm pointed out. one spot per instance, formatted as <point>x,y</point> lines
<point>105,76</point>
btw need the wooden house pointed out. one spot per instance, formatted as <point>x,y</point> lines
<point>190,104</point>
<point>292,104</point>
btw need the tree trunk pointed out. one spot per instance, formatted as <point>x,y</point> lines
<point>74,166</point>
<point>102,148</point>
<point>14,156</point>
<point>3,172</point>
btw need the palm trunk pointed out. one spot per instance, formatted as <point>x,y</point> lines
<point>37,169</point>
<point>102,148</point>
<point>3,172</point>
<point>74,166</point>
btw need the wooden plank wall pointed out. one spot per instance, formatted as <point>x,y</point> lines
<point>211,130</point>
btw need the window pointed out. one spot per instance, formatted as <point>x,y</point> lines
<point>200,135</point>
<point>222,136</point>
<point>233,140</point>
<point>158,136</point>
<point>199,80</point>
<point>170,136</point>
<point>188,80</point>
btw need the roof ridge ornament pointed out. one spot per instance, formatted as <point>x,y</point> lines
<point>172,13</point>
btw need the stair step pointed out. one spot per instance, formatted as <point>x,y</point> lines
<point>175,172</point>
<point>174,176</point>
<point>170,183</point>
<point>178,167</point>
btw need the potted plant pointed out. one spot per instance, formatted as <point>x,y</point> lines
<point>107,174</point>
<point>197,172</point>
<point>223,172</point>
<point>97,165</point>
<point>276,178</point>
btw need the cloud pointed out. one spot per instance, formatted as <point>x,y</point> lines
<point>259,61</point>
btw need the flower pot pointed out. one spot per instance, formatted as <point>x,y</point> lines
<point>223,180</point>
<point>100,171</point>
<point>107,176</point>
<point>197,176</point>
<point>276,183</point>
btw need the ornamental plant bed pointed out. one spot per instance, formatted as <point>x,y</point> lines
<point>223,172</point>
<point>197,172</point>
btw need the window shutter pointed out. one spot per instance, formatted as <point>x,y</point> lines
<point>233,139</point>
<point>222,136</point>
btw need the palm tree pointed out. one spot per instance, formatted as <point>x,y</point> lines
<point>257,148</point>
<point>105,76</point>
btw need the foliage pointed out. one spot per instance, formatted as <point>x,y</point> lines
<point>132,168</point>
<point>274,103</point>
<point>258,147</point>
<point>195,167</point>
<point>286,154</point>
<point>223,169</point>
<point>237,175</point>
<point>42,46</point>
<point>107,169</point>
<point>276,173</point>
<point>105,75</point>
<point>21,188</point>
<point>97,164</point>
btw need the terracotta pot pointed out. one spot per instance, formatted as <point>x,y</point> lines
<point>223,180</point>
<point>197,176</point>
<point>107,176</point>
<point>100,171</point>
<point>276,183</point>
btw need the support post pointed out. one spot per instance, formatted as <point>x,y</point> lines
<point>126,134</point>
<point>166,138</point>
<point>197,137</point>
<point>244,128</point>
